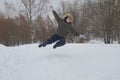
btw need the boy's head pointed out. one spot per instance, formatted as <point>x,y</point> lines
<point>68,18</point>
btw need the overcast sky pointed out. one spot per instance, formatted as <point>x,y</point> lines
<point>53,2</point>
<point>16,3</point>
<point>2,3</point>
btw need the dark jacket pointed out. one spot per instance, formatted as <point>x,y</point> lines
<point>63,27</point>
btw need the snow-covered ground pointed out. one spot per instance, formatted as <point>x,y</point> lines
<point>70,62</point>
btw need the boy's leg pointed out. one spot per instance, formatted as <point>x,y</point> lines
<point>61,42</point>
<point>52,39</point>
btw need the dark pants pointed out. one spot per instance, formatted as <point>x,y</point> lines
<point>60,41</point>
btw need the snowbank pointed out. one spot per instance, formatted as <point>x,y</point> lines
<point>70,62</point>
<point>2,46</point>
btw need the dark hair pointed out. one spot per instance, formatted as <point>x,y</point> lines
<point>65,18</point>
<point>66,21</point>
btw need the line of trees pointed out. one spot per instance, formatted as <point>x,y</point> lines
<point>93,19</point>
<point>17,31</point>
<point>28,26</point>
<point>104,17</point>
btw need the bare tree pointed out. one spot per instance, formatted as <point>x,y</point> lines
<point>11,10</point>
<point>108,18</point>
<point>102,16</point>
<point>33,8</point>
<point>117,20</point>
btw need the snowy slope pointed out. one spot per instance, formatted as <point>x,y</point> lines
<point>70,62</point>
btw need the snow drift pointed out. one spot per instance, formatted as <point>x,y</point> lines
<point>70,62</point>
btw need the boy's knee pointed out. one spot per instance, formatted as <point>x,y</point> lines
<point>63,41</point>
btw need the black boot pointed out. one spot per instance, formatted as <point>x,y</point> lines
<point>54,47</point>
<point>42,45</point>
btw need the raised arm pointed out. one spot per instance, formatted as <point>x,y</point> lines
<point>56,16</point>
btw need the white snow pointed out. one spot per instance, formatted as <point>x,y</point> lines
<point>70,62</point>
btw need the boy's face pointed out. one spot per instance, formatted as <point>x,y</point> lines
<point>68,20</point>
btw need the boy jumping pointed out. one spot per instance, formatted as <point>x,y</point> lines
<point>64,27</point>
